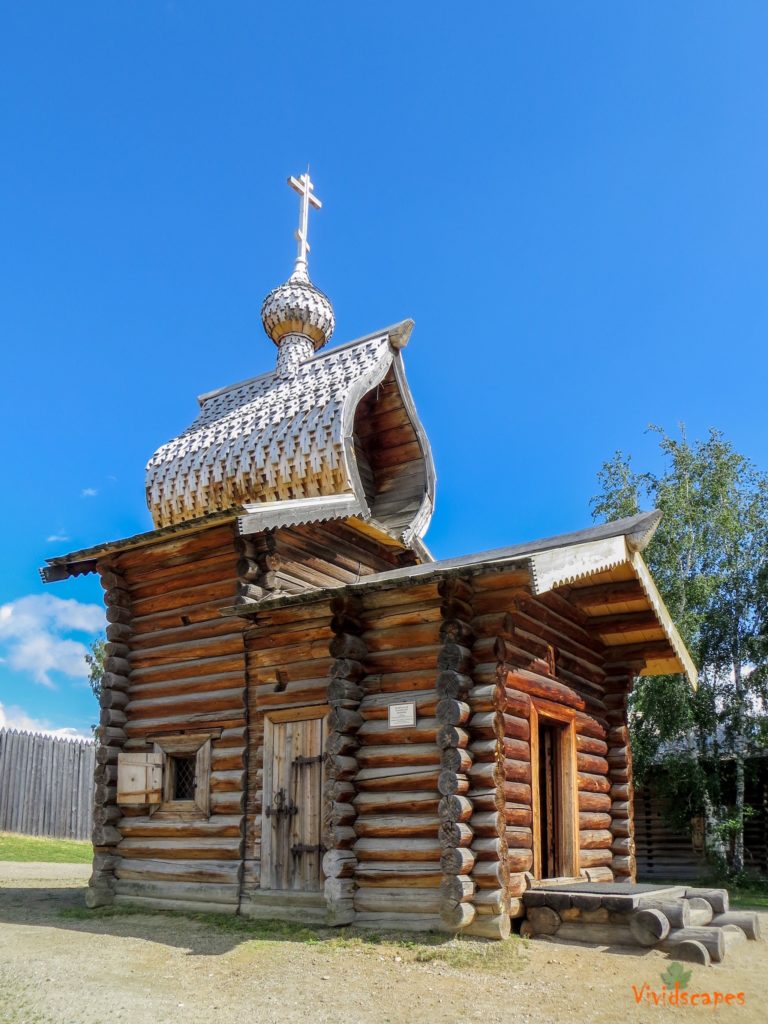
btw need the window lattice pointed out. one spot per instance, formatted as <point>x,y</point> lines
<point>184,778</point>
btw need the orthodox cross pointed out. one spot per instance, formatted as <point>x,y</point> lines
<point>303,185</point>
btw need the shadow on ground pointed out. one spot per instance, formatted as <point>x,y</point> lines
<point>47,905</point>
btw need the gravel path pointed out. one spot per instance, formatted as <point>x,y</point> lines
<point>168,969</point>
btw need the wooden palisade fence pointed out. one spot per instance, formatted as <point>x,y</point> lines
<point>46,785</point>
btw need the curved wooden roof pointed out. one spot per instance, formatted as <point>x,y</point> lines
<point>304,435</point>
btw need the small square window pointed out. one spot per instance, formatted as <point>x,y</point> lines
<point>184,772</point>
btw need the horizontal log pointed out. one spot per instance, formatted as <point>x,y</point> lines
<point>339,864</point>
<point>397,779</point>
<point>457,916</point>
<point>541,686</point>
<point>591,745</point>
<point>457,860</point>
<point>488,926</point>
<point>418,802</point>
<point>595,839</point>
<point>518,837</point>
<point>398,755</point>
<point>747,920</point>
<point>595,858</point>
<point>452,712</point>
<point>488,824</point>
<point>217,825</point>
<point>717,898</point>
<point>519,860</point>
<point>450,782</point>
<point>456,889</point>
<point>589,801</point>
<point>649,926</point>
<point>595,820</point>
<point>414,873</point>
<point>713,940</point>
<point>380,732</point>
<point>451,736</point>
<point>455,808</point>
<point>391,900</point>
<point>591,763</point>
<point>490,874</point>
<point>193,892</point>
<point>517,814</point>
<point>593,783</point>
<point>391,825</point>
<point>455,759</point>
<point>190,848</point>
<point>397,849</point>
<point>180,870</point>
<point>486,725</point>
<point>344,689</point>
<point>453,684</point>
<point>596,934</point>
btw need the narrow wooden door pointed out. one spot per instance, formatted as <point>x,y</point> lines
<point>291,828</point>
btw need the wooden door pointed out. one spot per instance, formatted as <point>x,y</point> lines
<point>291,828</point>
<point>554,792</point>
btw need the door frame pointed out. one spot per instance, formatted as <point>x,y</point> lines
<point>272,718</point>
<point>567,797</point>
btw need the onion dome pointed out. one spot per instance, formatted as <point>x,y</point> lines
<point>297,307</point>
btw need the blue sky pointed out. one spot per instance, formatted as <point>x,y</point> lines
<point>569,199</point>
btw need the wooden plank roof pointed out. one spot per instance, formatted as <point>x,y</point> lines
<point>601,570</point>
<point>287,436</point>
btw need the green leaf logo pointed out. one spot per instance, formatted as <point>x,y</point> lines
<point>676,974</point>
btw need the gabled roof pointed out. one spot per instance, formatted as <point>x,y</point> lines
<point>600,569</point>
<point>282,437</point>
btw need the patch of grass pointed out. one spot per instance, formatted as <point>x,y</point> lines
<point>51,851</point>
<point>410,947</point>
<point>749,896</point>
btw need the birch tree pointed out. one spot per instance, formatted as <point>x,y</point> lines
<point>710,561</point>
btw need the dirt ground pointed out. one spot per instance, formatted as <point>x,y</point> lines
<point>62,966</point>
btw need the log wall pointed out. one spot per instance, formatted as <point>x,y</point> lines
<point>398,871</point>
<point>517,637</point>
<point>184,666</point>
<point>425,826</point>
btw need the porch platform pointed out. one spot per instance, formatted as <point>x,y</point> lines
<point>692,924</point>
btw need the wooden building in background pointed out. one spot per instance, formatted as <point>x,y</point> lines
<point>305,716</point>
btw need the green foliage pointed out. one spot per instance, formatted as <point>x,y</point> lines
<point>709,558</point>
<point>95,661</point>
<point>676,974</point>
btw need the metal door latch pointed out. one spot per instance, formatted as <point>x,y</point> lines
<point>281,807</point>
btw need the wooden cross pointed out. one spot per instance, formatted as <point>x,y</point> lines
<point>303,185</point>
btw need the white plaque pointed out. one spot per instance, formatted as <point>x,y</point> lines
<point>402,715</point>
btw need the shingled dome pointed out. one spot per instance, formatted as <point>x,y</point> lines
<point>297,307</point>
<point>342,423</point>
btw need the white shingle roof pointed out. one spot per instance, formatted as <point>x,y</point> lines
<point>276,437</point>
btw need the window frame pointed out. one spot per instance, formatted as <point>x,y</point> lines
<point>185,745</point>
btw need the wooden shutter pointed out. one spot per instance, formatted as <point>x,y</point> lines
<point>139,778</point>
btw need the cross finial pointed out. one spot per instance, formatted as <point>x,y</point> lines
<point>303,185</point>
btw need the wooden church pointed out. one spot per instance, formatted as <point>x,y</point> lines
<point>305,716</point>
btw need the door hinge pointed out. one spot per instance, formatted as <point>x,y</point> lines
<point>302,760</point>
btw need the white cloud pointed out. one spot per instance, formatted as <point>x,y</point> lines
<point>13,717</point>
<point>89,492</point>
<point>56,538</point>
<point>34,634</point>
